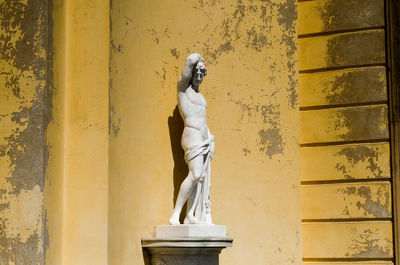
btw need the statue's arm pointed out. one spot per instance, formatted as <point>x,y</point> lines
<point>184,79</point>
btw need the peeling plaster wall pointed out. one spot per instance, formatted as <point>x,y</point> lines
<point>250,50</point>
<point>23,120</point>
<point>53,132</point>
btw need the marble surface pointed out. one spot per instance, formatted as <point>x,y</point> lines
<point>191,230</point>
<point>197,143</point>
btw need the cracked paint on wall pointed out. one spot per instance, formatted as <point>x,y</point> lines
<point>372,200</point>
<point>23,155</point>
<point>368,155</point>
<point>370,244</point>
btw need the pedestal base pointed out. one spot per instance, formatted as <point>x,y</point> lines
<point>182,231</point>
<point>184,251</point>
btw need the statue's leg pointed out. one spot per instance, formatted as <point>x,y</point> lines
<point>208,219</point>
<point>195,167</point>
<point>196,199</point>
<point>192,198</point>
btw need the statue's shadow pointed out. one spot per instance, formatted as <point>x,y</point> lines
<point>181,170</point>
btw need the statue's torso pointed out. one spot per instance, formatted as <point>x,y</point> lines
<point>193,106</point>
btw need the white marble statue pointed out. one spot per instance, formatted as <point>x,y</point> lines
<point>197,143</point>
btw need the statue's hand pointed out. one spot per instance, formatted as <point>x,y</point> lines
<point>202,177</point>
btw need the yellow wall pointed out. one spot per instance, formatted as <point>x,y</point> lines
<point>90,155</point>
<point>76,197</point>
<point>251,88</point>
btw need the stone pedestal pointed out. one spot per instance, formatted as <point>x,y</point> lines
<point>186,245</point>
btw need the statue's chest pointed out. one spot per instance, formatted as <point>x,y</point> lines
<point>196,98</point>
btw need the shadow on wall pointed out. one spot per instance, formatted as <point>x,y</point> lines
<point>176,125</point>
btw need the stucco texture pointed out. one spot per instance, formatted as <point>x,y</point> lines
<point>250,51</point>
<point>77,175</point>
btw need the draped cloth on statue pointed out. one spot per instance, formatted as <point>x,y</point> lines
<point>200,205</point>
<point>198,149</point>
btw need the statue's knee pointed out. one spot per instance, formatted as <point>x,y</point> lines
<point>198,177</point>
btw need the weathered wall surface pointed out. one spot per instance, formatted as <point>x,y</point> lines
<point>23,118</point>
<point>344,135</point>
<point>251,88</point>
<point>54,184</point>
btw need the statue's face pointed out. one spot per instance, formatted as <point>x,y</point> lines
<point>199,72</point>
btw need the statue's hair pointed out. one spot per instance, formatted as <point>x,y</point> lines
<point>200,65</point>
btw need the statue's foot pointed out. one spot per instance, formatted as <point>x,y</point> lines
<point>190,219</point>
<point>174,220</point>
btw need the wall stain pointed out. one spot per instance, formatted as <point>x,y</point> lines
<point>4,205</point>
<point>354,86</point>
<point>350,49</point>
<point>376,208</point>
<point>270,114</point>
<point>369,244</point>
<point>376,202</point>
<point>246,108</point>
<point>271,141</point>
<point>175,53</point>
<point>18,252</point>
<point>287,18</point>
<point>360,154</point>
<point>212,54</point>
<point>256,39</point>
<point>270,137</point>
<point>246,152</point>
<point>114,123</point>
<point>155,35</point>
<point>360,123</point>
<point>117,48</point>
<point>204,3</point>
<point>239,27</point>
<point>335,14</point>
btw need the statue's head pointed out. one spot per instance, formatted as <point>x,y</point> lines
<point>198,74</point>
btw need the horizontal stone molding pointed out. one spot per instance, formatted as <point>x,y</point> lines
<point>343,49</point>
<point>334,15</point>
<point>344,124</point>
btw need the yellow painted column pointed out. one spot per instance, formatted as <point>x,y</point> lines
<point>81,45</point>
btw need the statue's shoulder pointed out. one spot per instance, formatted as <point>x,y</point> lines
<point>187,93</point>
<point>183,97</point>
<point>182,94</point>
